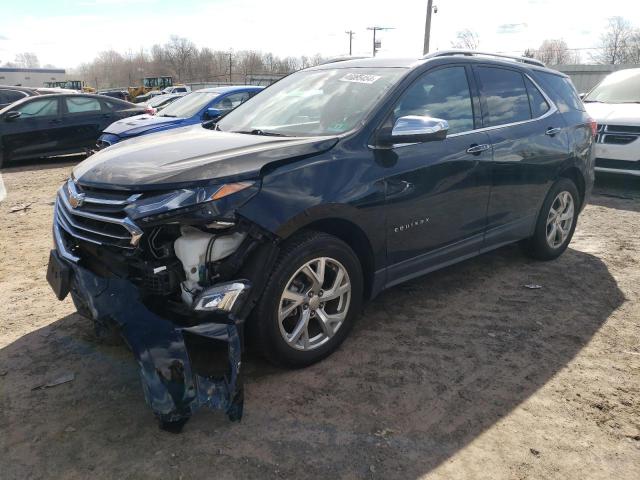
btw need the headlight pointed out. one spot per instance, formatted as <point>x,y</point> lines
<point>199,203</point>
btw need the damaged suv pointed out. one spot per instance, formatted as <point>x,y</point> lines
<point>335,183</point>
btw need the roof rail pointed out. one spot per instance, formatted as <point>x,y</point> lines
<point>340,59</point>
<point>444,53</point>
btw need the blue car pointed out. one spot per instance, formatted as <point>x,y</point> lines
<point>194,108</point>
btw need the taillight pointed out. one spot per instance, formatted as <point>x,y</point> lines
<point>594,127</point>
<point>150,111</point>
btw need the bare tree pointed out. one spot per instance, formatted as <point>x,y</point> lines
<point>180,52</point>
<point>467,39</point>
<point>25,60</point>
<point>553,52</point>
<point>615,42</point>
<point>181,59</point>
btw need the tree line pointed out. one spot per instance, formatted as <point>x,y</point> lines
<point>181,59</point>
<point>619,43</point>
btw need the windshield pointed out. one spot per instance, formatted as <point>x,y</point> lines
<point>619,87</point>
<point>159,100</point>
<point>189,105</point>
<point>313,102</point>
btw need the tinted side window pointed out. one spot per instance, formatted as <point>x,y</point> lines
<point>504,96</point>
<point>539,105</point>
<point>561,91</point>
<point>232,101</point>
<point>39,108</point>
<point>82,104</point>
<point>443,94</point>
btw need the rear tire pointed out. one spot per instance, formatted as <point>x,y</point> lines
<point>556,222</point>
<point>310,301</point>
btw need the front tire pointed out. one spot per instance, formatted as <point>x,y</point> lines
<point>310,301</point>
<point>556,222</point>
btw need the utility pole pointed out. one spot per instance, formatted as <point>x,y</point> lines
<point>351,33</point>
<point>230,64</point>
<point>427,26</point>
<point>375,29</point>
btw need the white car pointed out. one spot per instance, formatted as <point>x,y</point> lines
<point>177,89</point>
<point>615,106</point>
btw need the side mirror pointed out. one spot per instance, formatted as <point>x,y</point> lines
<point>582,95</point>
<point>11,116</point>
<point>418,129</point>
<point>212,113</point>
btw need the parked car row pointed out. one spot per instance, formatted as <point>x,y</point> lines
<point>58,124</point>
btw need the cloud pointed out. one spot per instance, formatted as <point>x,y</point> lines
<point>507,28</point>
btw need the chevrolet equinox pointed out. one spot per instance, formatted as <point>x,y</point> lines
<point>331,185</point>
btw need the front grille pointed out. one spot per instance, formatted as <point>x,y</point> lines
<point>617,134</point>
<point>96,216</point>
<point>617,164</point>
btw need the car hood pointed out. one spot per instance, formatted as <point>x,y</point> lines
<point>614,113</point>
<point>132,126</point>
<point>191,155</point>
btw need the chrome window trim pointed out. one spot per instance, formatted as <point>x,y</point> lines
<point>552,110</point>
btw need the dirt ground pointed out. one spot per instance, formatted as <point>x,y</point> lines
<point>464,373</point>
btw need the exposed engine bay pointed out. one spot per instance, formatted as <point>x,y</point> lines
<point>183,279</point>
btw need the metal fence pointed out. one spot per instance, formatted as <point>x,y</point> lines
<point>585,77</point>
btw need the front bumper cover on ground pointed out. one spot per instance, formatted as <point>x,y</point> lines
<point>171,387</point>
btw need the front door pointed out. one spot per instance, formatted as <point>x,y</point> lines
<point>437,192</point>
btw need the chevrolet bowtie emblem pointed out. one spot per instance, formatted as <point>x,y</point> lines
<point>76,199</point>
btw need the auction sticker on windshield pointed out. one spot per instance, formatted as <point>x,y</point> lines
<point>360,78</point>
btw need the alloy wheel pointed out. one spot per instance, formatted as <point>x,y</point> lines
<point>314,304</point>
<point>560,219</point>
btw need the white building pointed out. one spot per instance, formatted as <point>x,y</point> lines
<point>31,77</point>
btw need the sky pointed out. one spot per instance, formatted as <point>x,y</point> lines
<point>66,33</point>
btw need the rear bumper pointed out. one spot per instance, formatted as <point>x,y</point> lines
<point>172,389</point>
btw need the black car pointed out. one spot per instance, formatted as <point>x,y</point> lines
<point>121,94</point>
<point>333,184</point>
<point>9,94</point>
<point>57,124</point>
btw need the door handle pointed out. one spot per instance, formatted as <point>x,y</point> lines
<point>56,120</point>
<point>551,131</point>
<point>478,149</point>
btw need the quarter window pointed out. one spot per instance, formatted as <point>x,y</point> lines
<point>539,105</point>
<point>39,108</point>
<point>82,104</point>
<point>504,95</point>
<point>444,94</point>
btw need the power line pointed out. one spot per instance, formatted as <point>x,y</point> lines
<point>377,29</point>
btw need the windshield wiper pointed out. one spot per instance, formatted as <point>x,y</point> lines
<point>165,115</point>
<point>257,131</point>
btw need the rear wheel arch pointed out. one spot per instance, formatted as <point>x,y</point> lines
<point>575,175</point>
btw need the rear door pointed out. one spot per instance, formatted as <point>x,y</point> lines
<point>529,142</point>
<point>82,120</point>
<point>35,132</point>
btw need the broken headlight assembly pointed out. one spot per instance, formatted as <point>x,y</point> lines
<point>191,206</point>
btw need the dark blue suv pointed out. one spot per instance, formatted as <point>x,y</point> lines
<point>335,183</point>
<point>196,107</point>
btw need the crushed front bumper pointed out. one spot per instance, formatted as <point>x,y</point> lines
<point>171,387</point>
